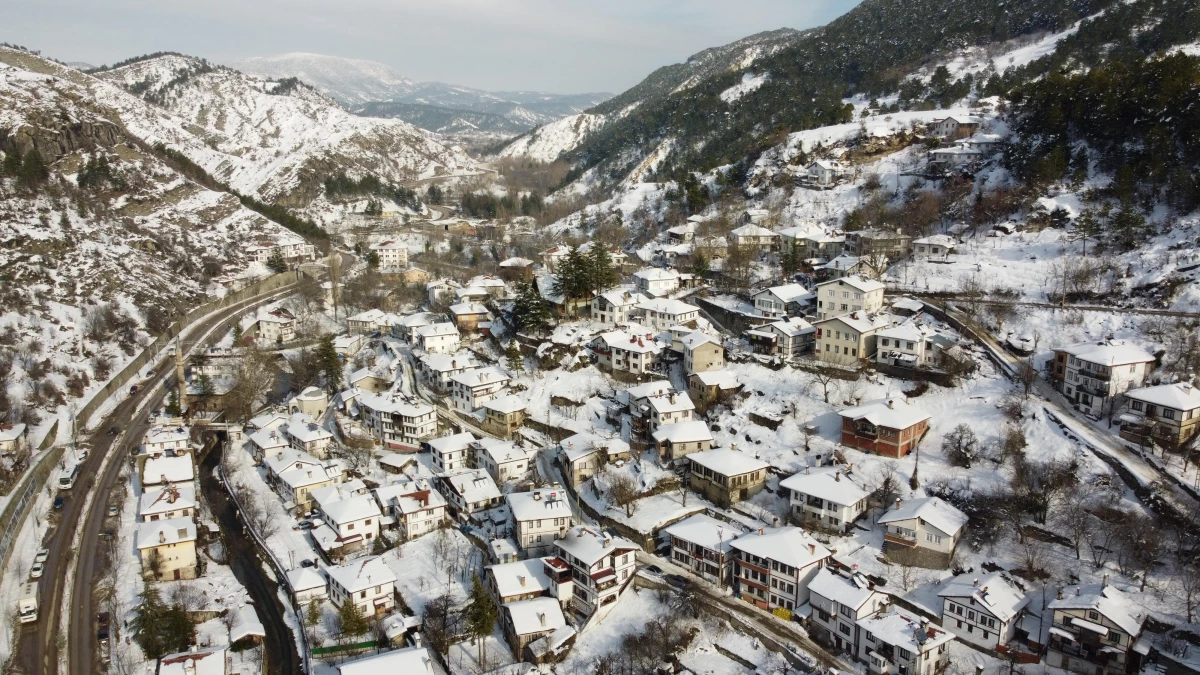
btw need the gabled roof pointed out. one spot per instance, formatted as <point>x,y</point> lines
<point>171,469</point>
<point>844,261</point>
<point>623,297</point>
<point>478,377</point>
<point>692,431</point>
<point>162,532</point>
<point>856,282</point>
<point>536,615</point>
<point>473,485</point>
<point>724,379</point>
<point>906,631</point>
<point>502,452</point>
<point>752,230</point>
<point>791,327</point>
<point>788,545</point>
<point>887,413</point>
<point>932,510</point>
<point>164,434</point>
<point>727,462</point>
<point>1107,600</point>
<point>706,531</point>
<point>166,498</point>
<point>305,579</point>
<point>520,577</point>
<point>995,592</point>
<point>351,509</point>
<point>361,574</point>
<point>447,362</point>
<point>1180,395</point>
<point>209,661</point>
<point>786,292</point>
<point>667,306</point>
<point>437,330</point>
<point>539,504</point>
<point>698,338</point>
<point>656,274</point>
<point>505,404</point>
<point>468,309</point>
<point>1108,353</point>
<point>452,443</point>
<point>828,483</point>
<point>841,590</point>
<point>649,389</point>
<point>670,403</point>
<point>590,545</point>
<point>392,403</point>
<point>411,660</point>
<point>860,322</point>
<point>583,444</point>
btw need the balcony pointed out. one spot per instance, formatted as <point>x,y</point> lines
<point>1096,375</point>
<point>900,539</point>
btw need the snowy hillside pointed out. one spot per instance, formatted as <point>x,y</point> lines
<point>277,140</point>
<point>98,253</point>
<point>351,81</point>
<point>547,143</point>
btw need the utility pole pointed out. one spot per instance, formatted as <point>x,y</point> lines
<point>74,435</point>
<point>180,383</point>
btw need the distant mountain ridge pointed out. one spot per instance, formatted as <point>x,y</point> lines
<point>361,86</point>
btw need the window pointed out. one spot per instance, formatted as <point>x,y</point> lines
<point>933,538</point>
<point>1139,406</point>
<point>1168,413</point>
<point>1093,615</point>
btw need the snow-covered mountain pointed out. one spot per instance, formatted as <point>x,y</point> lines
<point>278,140</point>
<point>357,84</point>
<point>546,144</point>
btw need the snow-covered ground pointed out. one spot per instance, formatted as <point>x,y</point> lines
<point>547,143</point>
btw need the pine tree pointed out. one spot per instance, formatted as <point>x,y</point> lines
<point>373,259</point>
<point>33,171</point>
<point>574,278</point>
<point>12,163</point>
<point>516,362</point>
<point>352,619</point>
<point>173,403</point>
<point>700,265</point>
<point>276,263</point>
<point>330,362</point>
<point>481,616</point>
<point>147,620</point>
<point>531,312</point>
<point>603,275</point>
<point>312,615</point>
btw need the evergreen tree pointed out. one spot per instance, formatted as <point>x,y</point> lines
<point>481,616</point>
<point>603,274</point>
<point>574,276</point>
<point>790,260</point>
<point>330,362</point>
<point>700,265</point>
<point>12,163</point>
<point>516,362</point>
<point>275,262</point>
<point>33,171</point>
<point>312,615</point>
<point>173,403</point>
<point>373,259</point>
<point>205,384</point>
<point>352,619</point>
<point>147,620</point>
<point>531,312</point>
<point>1128,225</point>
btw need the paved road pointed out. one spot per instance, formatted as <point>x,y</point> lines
<point>965,300</point>
<point>40,642</point>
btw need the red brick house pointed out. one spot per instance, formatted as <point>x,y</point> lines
<point>884,427</point>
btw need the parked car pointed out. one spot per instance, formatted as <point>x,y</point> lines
<point>83,454</point>
<point>113,510</point>
<point>653,569</point>
<point>677,581</point>
<point>133,390</point>
<point>113,431</point>
<point>303,525</point>
<point>58,502</point>
<point>308,563</point>
<point>35,572</point>
<point>42,555</point>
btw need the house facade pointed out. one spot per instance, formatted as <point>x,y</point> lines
<point>839,601</point>
<point>473,388</point>
<point>702,544</point>
<point>922,532</point>
<point>601,565</point>
<point>983,609</point>
<point>884,427</point>
<point>825,497</point>
<point>774,566</point>
<point>725,476</point>
<point>780,301</point>
<point>1094,631</point>
<point>1167,415</point>
<point>847,295</point>
<point>539,518</point>
<point>1092,375</point>
<point>702,352</point>
<point>368,583</point>
<point>167,549</point>
<point>617,306</point>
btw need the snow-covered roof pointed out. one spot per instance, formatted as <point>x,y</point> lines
<point>996,592</point>
<point>641,343</point>
<point>516,262</point>
<point>361,574</point>
<point>667,306</point>
<point>210,661</point>
<point>468,308</point>
<point>887,413</point>
<point>656,274</point>
<point>165,434</point>
<point>844,261</point>
<point>536,615</point>
<point>792,327</point>
<point>839,589</point>
<point>656,388</point>
<point>861,322</point>
<point>393,403</point>
<point>856,282</point>
<point>411,660</point>
<point>961,119</point>
<point>501,452</point>
<point>910,332</point>
<point>305,579</point>
<point>698,338</point>
<point>706,531</point>
<point>351,509</point>
<point>539,504</point>
<point>1180,395</point>
<point>246,624</point>
<point>505,404</point>
<point>788,545</point>
<point>452,443</point>
<point>443,363</point>
<point>369,316</point>
<point>166,498</point>
<point>583,444</point>
<point>725,379</point>
<point>828,164</point>
<point>437,330</point>
<point>303,428</point>
<point>623,297</point>
<point>826,482</point>
<point>268,420</point>
<point>169,469</point>
<point>473,485</point>
<point>520,577</point>
<point>671,403</point>
<point>1108,353</point>
<point>937,240</point>
<point>479,377</point>
<point>335,493</point>
<point>786,292</point>
<point>589,545</point>
<point>727,462</point>
<point>163,532</point>
<point>933,510</point>
<point>288,459</point>
<point>411,320</point>
<point>906,631</point>
<point>1109,601</point>
<point>309,475</point>
<point>692,431</point>
<point>752,230</point>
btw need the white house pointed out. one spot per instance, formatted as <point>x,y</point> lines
<point>168,501</point>
<point>825,497</point>
<point>1095,631</point>
<point>396,420</point>
<point>166,441</point>
<point>911,345</point>
<point>755,237</point>
<point>656,282</point>
<point>275,325</point>
<point>438,338</point>
<point>414,506</point>
<point>368,322</point>
<point>935,246</point>
<point>775,565</point>
<point>669,409</point>
<point>628,351</point>
<point>368,583</point>
<point>350,524</point>
<point>826,172</point>
<point>409,660</point>
<point>437,369</point>
<point>308,584</point>
<point>780,301</point>
<point>702,544</point>
<point>838,602</point>
<point>616,306</point>
<point>539,518</point>
<point>471,389</point>
<point>955,126</point>
<point>505,460</point>
<point>983,609</point>
<point>923,531</point>
<point>848,294</point>
<point>788,337</point>
<point>469,491</point>
<point>167,548</point>
<point>451,453</point>
<point>900,643</point>
<point>680,439</point>
<point>1093,374</point>
<point>702,352</point>
<point>662,313</point>
<point>602,566</point>
<point>845,265</point>
<point>12,438</point>
<point>393,255</point>
<point>306,435</point>
<point>163,470</point>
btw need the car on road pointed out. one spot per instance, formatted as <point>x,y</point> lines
<point>58,502</point>
<point>83,454</point>
<point>35,572</point>
<point>653,569</point>
<point>113,510</point>
<point>677,581</point>
<point>113,430</point>
<point>133,390</point>
<point>303,525</point>
<point>42,555</point>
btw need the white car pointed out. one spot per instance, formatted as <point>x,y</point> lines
<point>35,572</point>
<point>42,555</point>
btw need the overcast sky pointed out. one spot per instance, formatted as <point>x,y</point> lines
<point>560,46</point>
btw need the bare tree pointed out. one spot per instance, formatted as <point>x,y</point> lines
<point>255,375</point>
<point>623,491</point>
<point>1075,519</point>
<point>904,576</point>
<point>961,445</point>
<point>1187,588</point>
<point>825,379</point>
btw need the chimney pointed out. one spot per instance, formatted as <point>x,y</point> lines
<point>521,578</point>
<point>1105,583</point>
<point>898,502</point>
<point>672,398</point>
<point>760,530</point>
<point>806,470</point>
<point>1060,597</point>
<point>537,496</point>
<point>812,549</point>
<point>975,582</point>
<point>837,477</point>
<point>891,404</point>
<point>162,537</point>
<point>1076,590</point>
<point>542,618</point>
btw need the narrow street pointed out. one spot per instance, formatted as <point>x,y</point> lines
<point>242,552</point>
